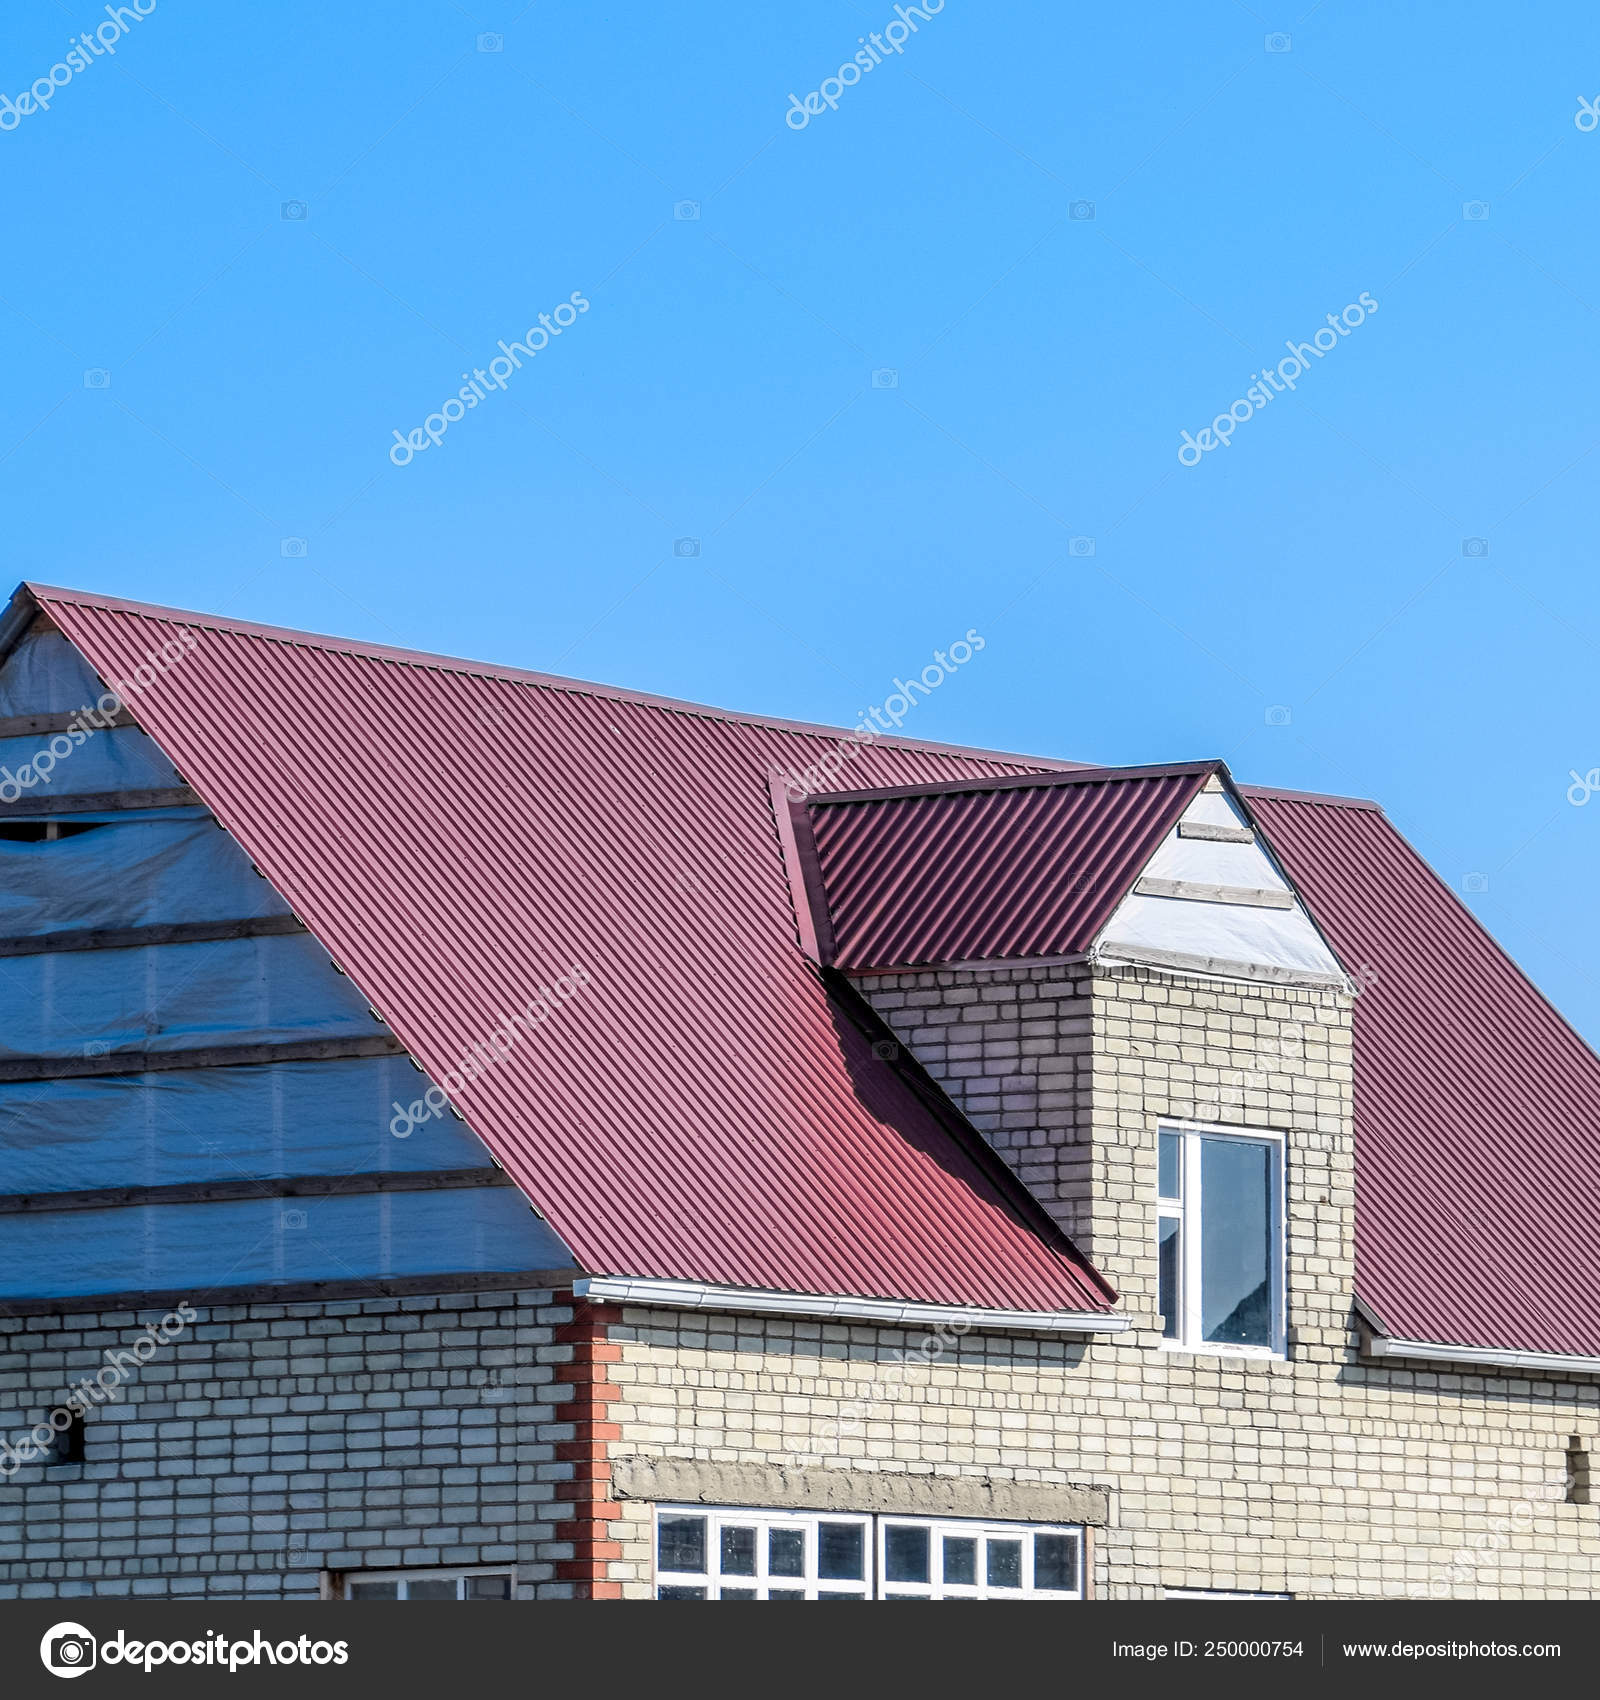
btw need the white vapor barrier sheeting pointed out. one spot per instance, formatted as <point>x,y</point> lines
<point>176,997</point>
<point>222,1124</point>
<point>1215,808</point>
<point>1224,932</point>
<point>1208,862</point>
<point>64,764</point>
<point>197,1249</point>
<point>44,674</point>
<point>1274,938</point>
<point>151,867</point>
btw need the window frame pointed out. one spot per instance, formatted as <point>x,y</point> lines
<point>874,1583</point>
<point>809,1583</point>
<point>1188,1210</point>
<point>981,1530</point>
<point>457,1573</point>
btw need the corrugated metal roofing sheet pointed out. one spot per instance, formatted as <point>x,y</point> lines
<point>459,835</point>
<point>1477,1107</point>
<point>1012,870</point>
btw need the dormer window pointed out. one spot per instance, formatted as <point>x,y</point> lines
<point>1219,1240</point>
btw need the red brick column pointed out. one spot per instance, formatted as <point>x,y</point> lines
<point>589,1491</point>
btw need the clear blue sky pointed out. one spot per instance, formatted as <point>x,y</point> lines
<point>721,385</point>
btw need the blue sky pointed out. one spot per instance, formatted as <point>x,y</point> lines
<point>892,380</point>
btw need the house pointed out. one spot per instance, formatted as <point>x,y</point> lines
<point>472,1135</point>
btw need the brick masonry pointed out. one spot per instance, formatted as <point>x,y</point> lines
<point>269,1444</point>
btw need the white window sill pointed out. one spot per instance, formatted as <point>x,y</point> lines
<point>1206,1349</point>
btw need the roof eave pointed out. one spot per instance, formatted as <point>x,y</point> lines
<point>824,1307</point>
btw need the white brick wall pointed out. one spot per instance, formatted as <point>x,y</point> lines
<point>271,1442</point>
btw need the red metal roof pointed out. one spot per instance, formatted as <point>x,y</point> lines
<point>458,835</point>
<point>1016,868</point>
<point>1477,1107</point>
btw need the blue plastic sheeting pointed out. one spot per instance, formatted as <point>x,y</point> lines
<point>196,1249</point>
<point>176,997</point>
<point>44,674</point>
<point>147,868</point>
<point>121,759</point>
<point>222,1124</point>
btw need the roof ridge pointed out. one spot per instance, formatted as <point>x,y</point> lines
<point>1017,782</point>
<point>1328,799</point>
<point>45,593</point>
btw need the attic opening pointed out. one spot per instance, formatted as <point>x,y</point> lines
<point>45,831</point>
<point>1578,1491</point>
<point>68,1445</point>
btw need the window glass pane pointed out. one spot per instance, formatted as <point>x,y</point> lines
<point>419,1588</point>
<point>905,1554</point>
<point>840,1550</point>
<point>675,1592</point>
<point>738,1552</point>
<point>738,1593</point>
<point>681,1545</point>
<point>961,1559</point>
<point>1168,1165</point>
<point>1055,1562</point>
<point>785,1593</point>
<point>786,1552</point>
<point>374,1590</point>
<point>1005,1564</point>
<point>1235,1248</point>
<point>1169,1262</point>
<point>488,1587</point>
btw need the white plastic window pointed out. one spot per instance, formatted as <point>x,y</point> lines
<point>738,1554</point>
<point>1219,1240</point>
<point>430,1585</point>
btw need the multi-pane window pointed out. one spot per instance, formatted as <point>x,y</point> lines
<point>1219,1239</point>
<point>429,1585</point>
<point>978,1561</point>
<point>737,1555</point>
<point>780,1555</point>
